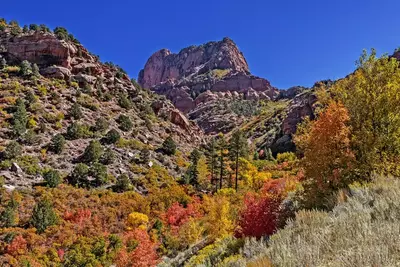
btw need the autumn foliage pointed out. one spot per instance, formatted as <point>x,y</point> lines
<point>140,251</point>
<point>328,158</point>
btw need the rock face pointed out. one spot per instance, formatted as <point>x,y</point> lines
<point>164,65</point>
<point>56,58</point>
<point>218,68</point>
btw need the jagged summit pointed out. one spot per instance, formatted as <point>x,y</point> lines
<point>164,65</point>
<point>200,78</point>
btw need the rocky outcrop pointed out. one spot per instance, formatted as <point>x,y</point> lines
<point>302,106</point>
<point>49,53</point>
<point>198,75</point>
<point>164,65</point>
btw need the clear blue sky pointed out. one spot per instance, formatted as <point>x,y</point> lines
<point>289,42</point>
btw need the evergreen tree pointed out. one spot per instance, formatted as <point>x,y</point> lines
<point>43,216</point>
<point>25,68</point>
<point>211,156</point>
<point>35,70</point>
<point>238,147</point>
<point>169,146</point>
<point>222,159</point>
<point>192,172</point>
<point>9,216</point>
<point>20,118</point>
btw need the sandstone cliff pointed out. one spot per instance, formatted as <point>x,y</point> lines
<point>213,71</point>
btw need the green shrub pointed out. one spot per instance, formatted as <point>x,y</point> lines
<point>57,143</point>
<point>108,157</point>
<point>77,131</point>
<point>20,118</point>
<point>169,146</point>
<point>124,102</point>
<point>29,164</point>
<point>13,149</point>
<point>79,175</point>
<point>25,68</point>
<point>43,216</point>
<point>112,136</point>
<point>123,183</point>
<point>75,111</point>
<point>286,157</point>
<point>101,125</point>
<point>34,27</point>
<point>125,123</point>
<point>31,138</point>
<point>93,152</point>
<point>99,172</point>
<point>52,178</point>
<point>35,70</point>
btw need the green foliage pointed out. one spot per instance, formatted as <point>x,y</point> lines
<point>112,136</point>
<point>169,146</point>
<point>99,172</point>
<point>108,157</point>
<point>125,102</point>
<point>13,149</point>
<point>75,111</point>
<point>57,143</point>
<point>52,178</point>
<point>101,125</point>
<point>25,68</point>
<point>77,131</point>
<point>125,123</point>
<point>368,94</point>
<point>286,157</point>
<point>192,174</point>
<point>63,34</point>
<point>34,27</point>
<point>35,70</point>
<point>29,164</point>
<point>123,183</point>
<point>9,216</point>
<point>20,118</point>
<point>79,175</point>
<point>93,152</point>
<point>43,216</point>
<point>31,138</point>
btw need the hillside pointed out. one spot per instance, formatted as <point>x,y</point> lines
<point>199,163</point>
<point>71,93</point>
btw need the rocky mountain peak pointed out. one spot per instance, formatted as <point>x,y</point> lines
<point>200,77</point>
<point>164,65</point>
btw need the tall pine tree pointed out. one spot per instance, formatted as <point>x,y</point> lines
<point>238,147</point>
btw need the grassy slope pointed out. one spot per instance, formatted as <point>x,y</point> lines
<point>360,231</point>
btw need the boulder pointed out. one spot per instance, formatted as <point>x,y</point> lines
<point>16,168</point>
<point>57,72</point>
<point>82,78</point>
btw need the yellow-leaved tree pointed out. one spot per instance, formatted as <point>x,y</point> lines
<point>371,96</point>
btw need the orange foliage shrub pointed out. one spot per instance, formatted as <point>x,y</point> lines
<point>139,250</point>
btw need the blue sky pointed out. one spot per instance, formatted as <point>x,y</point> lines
<point>289,42</point>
